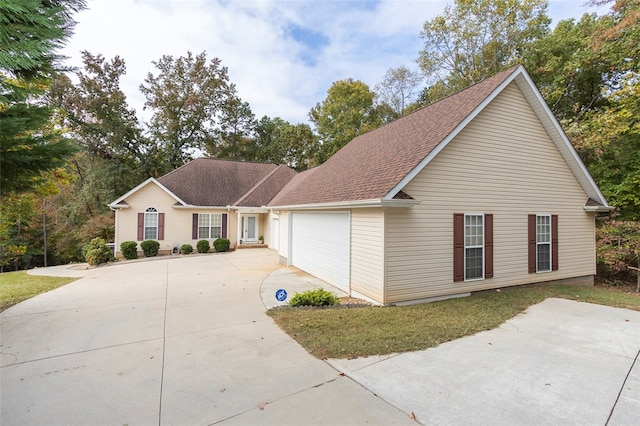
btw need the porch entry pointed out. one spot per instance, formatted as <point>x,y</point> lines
<point>249,226</point>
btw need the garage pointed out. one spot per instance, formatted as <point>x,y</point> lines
<point>320,245</point>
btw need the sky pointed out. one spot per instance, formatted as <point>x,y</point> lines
<point>281,55</point>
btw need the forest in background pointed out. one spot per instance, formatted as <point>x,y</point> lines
<point>70,143</point>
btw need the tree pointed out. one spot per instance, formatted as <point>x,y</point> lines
<point>347,112</point>
<point>281,142</point>
<point>186,97</point>
<point>96,110</point>
<point>31,31</point>
<point>233,139</point>
<point>397,89</point>
<point>589,73</point>
<point>115,153</point>
<point>608,141</point>
<point>618,249</point>
<point>568,71</point>
<point>476,39</point>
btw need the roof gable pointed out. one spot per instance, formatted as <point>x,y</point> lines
<point>121,203</point>
<point>379,164</point>
<point>372,164</point>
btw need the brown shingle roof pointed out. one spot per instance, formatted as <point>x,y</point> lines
<point>372,164</point>
<point>267,188</point>
<point>213,182</point>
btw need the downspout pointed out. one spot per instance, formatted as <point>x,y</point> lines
<point>228,220</point>
<point>239,231</point>
<point>115,230</point>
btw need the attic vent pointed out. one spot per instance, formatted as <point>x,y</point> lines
<point>402,196</point>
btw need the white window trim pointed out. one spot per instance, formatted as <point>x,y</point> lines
<point>550,244</point>
<point>210,226</point>
<point>150,211</point>
<point>465,247</point>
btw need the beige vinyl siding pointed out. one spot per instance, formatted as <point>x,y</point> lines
<point>148,196</point>
<point>503,163</point>
<point>367,253</point>
<point>284,235</point>
<point>177,222</point>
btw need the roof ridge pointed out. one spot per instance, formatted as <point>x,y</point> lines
<point>507,71</point>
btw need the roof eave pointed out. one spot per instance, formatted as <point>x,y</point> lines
<point>376,202</point>
<point>599,209</point>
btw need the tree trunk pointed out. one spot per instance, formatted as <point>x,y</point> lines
<point>637,275</point>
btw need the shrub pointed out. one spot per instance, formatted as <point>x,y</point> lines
<point>221,244</point>
<point>129,249</point>
<point>317,297</point>
<point>97,252</point>
<point>186,249</point>
<point>618,249</point>
<point>150,248</point>
<point>203,246</point>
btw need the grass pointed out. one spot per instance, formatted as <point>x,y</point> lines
<point>18,286</point>
<point>348,333</point>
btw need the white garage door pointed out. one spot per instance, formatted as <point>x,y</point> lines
<point>320,246</point>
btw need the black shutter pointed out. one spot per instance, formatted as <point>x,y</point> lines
<point>140,226</point>
<point>224,226</point>
<point>194,227</point>
<point>488,246</point>
<point>554,242</point>
<point>160,226</point>
<point>531,232</point>
<point>458,247</point>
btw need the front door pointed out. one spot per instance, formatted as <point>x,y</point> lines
<point>250,228</point>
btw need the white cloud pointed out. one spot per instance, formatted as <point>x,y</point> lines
<point>268,46</point>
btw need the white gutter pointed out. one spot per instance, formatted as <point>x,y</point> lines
<point>376,202</point>
<point>599,208</point>
<point>200,207</point>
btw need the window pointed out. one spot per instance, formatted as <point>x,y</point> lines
<point>473,246</point>
<point>209,225</point>
<point>543,243</point>
<point>151,224</point>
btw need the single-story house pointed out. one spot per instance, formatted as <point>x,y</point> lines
<point>205,199</point>
<point>477,191</point>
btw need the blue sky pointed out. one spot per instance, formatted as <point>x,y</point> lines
<point>282,55</point>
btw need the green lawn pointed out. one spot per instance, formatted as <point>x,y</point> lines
<point>354,332</point>
<point>18,286</point>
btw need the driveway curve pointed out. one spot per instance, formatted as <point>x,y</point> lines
<point>169,342</point>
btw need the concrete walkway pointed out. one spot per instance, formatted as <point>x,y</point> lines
<point>170,342</point>
<point>560,362</point>
<point>186,341</point>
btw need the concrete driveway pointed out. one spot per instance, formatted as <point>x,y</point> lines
<point>186,341</point>
<point>170,342</point>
